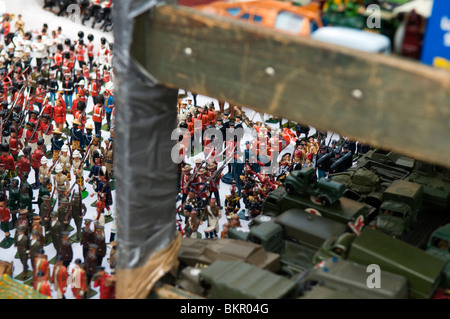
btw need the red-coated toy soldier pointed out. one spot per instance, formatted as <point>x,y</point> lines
<point>23,166</point>
<point>59,278</point>
<point>41,284</point>
<point>59,114</point>
<point>6,158</point>
<point>106,283</point>
<point>79,281</point>
<point>5,214</point>
<point>15,145</point>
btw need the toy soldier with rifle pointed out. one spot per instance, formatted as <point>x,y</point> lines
<point>47,129</point>
<point>15,145</point>
<point>59,179</point>
<point>7,159</point>
<point>36,157</point>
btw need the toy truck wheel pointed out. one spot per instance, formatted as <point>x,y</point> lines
<point>325,200</point>
<point>289,189</point>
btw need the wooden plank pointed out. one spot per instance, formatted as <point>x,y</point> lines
<point>382,100</point>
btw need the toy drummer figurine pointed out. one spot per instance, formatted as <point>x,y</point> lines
<point>57,143</point>
<point>212,212</point>
<point>76,136</point>
<point>232,204</point>
<point>65,161</point>
<point>59,179</point>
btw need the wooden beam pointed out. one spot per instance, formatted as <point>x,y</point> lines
<point>382,100</point>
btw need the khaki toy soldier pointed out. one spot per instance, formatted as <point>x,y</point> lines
<point>36,225</point>
<point>56,228</point>
<point>64,212</point>
<point>77,169</point>
<point>66,249</point>
<point>44,171</point>
<point>109,157</point>
<point>22,243</point>
<point>86,237</point>
<point>35,246</point>
<point>65,161</point>
<point>59,179</point>
<point>45,209</point>
<point>99,240</point>
<point>91,263</point>
<point>77,212</point>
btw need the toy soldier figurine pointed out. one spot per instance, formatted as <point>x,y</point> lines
<point>22,243</point>
<point>40,284</point>
<point>78,211</point>
<point>41,265</point>
<point>60,180</point>
<point>63,211</point>
<point>57,143</point>
<point>186,179</point>
<point>25,203</point>
<point>6,158</point>
<point>5,179</point>
<point>76,136</point>
<point>93,149</point>
<point>15,145</point>
<point>23,221</point>
<point>86,237</point>
<point>79,280</point>
<point>87,139</point>
<point>77,169</point>
<point>212,212</point>
<point>109,157</point>
<point>36,226</point>
<point>59,277</point>
<point>35,246</point>
<point>215,182</point>
<point>56,228</point>
<point>91,263</point>
<point>36,158</point>
<point>44,190</point>
<point>99,239</point>
<point>13,200</point>
<point>232,204</point>
<point>47,129</point>
<point>23,166</point>
<point>65,161</point>
<point>94,173</point>
<point>323,162</point>
<point>105,282</point>
<point>66,249</point>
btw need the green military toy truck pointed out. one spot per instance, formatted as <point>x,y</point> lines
<point>295,235</point>
<point>439,245</point>
<point>320,197</point>
<point>423,271</point>
<point>401,204</point>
